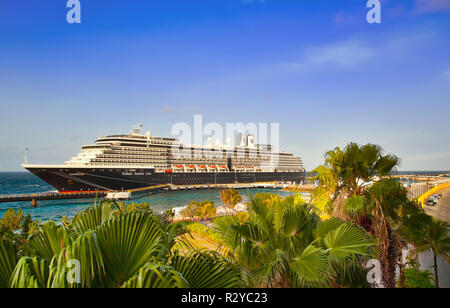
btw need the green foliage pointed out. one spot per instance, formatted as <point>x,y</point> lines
<point>131,207</point>
<point>204,209</point>
<point>284,244</point>
<point>355,205</point>
<point>9,259</point>
<point>10,223</point>
<point>49,240</point>
<point>347,172</point>
<point>190,210</point>
<point>94,216</point>
<point>114,248</point>
<point>16,227</point>
<point>205,232</point>
<point>230,197</point>
<point>207,269</point>
<point>435,237</point>
<point>418,279</point>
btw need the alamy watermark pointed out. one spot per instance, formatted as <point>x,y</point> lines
<point>74,14</point>
<point>374,273</point>
<point>238,140</point>
<point>74,273</point>
<point>374,14</point>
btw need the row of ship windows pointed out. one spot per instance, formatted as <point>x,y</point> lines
<point>181,156</point>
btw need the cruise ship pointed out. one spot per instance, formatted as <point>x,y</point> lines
<point>135,160</point>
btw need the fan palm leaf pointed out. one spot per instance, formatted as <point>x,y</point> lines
<point>93,217</point>
<point>209,269</point>
<point>8,261</point>
<point>128,241</point>
<point>156,275</point>
<point>30,272</point>
<point>49,240</point>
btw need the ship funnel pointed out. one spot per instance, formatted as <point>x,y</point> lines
<point>137,129</point>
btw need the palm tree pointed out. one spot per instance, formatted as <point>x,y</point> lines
<point>347,172</point>
<point>235,198</point>
<point>351,187</point>
<point>190,210</point>
<point>230,197</point>
<point>206,209</point>
<point>435,237</point>
<point>284,244</point>
<point>224,196</point>
<point>114,249</point>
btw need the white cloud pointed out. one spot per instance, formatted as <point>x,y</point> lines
<point>344,53</point>
<point>347,53</point>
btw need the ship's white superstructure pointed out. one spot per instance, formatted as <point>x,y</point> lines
<point>136,150</point>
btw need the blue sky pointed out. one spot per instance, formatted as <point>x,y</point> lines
<point>316,67</point>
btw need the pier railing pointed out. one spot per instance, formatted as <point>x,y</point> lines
<point>51,196</point>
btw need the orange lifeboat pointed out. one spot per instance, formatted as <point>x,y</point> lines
<point>191,167</point>
<point>178,166</point>
<point>212,167</point>
<point>223,167</point>
<point>169,171</point>
<point>202,167</point>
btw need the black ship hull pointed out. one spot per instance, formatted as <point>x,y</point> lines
<point>92,179</point>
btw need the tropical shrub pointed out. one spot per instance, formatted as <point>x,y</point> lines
<point>205,232</point>
<point>418,279</point>
<point>285,244</point>
<point>113,248</point>
<point>204,209</point>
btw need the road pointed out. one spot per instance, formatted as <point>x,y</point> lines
<point>440,211</point>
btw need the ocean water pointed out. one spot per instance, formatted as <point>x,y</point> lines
<point>25,182</point>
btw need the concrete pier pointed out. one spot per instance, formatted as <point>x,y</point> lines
<point>33,198</point>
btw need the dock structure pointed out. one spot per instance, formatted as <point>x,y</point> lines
<point>226,186</point>
<point>129,194</point>
<point>51,196</point>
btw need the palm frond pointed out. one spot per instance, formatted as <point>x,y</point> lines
<point>203,269</point>
<point>156,275</point>
<point>93,217</point>
<point>49,240</point>
<point>8,261</point>
<point>30,272</point>
<point>128,242</point>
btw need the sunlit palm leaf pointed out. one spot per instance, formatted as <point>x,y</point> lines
<point>207,270</point>
<point>311,267</point>
<point>128,242</point>
<point>85,250</point>
<point>348,240</point>
<point>354,204</point>
<point>49,240</point>
<point>30,273</point>
<point>8,261</point>
<point>93,217</point>
<point>155,275</point>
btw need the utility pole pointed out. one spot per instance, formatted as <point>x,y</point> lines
<point>26,158</point>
